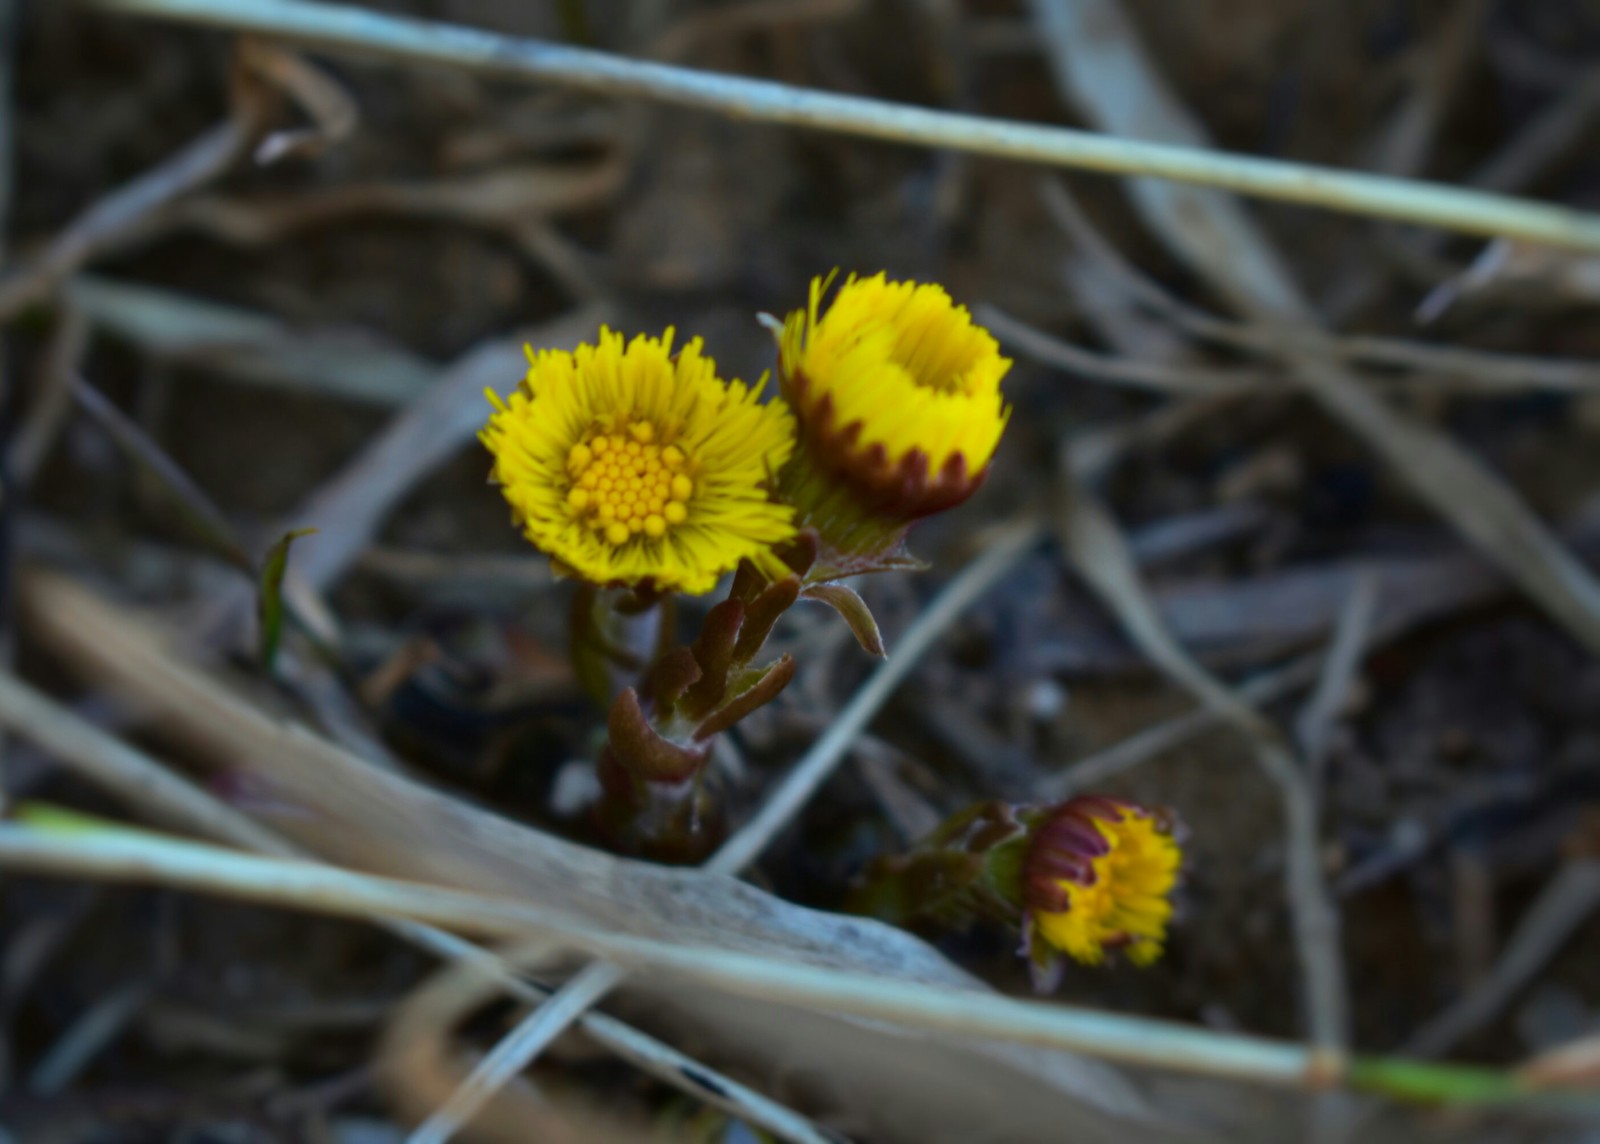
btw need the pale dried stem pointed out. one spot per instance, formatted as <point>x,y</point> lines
<point>1099,551</point>
<point>969,1014</point>
<point>155,791</point>
<point>1144,745</point>
<point>370,33</point>
<point>1339,673</point>
<point>1564,904</point>
<point>520,1047</point>
<point>125,209</point>
<point>1450,368</point>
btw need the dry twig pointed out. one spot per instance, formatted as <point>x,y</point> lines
<point>130,207</point>
<point>251,346</point>
<point>1092,772</point>
<point>1453,368</point>
<point>1097,548</point>
<point>52,396</point>
<point>333,113</point>
<point>370,33</point>
<point>128,856</point>
<point>1315,722</point>
<point>1564,904</point>
<point>119,857</point>
<point>524,1043</point>
<point>154,791</point>
<point>373,820</point>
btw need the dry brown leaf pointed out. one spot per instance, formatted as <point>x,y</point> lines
<point>353,814</point>
<point>496,198</point>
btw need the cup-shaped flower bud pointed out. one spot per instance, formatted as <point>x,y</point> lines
<point>1083,877</point>
<point>1098,875</point>
<point>635,466</point>
<point>897,397</point>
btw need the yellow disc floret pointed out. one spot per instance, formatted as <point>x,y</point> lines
<point>625,484</point>
<point>1101,876</point>
<point>631,465</point>
<point>903,361</point>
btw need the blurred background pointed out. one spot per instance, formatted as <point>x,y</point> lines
<point>249,288</point>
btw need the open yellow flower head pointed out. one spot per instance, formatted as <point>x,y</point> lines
<point>632,465</point>
<point>897,392</point>
<point>1099,875</point>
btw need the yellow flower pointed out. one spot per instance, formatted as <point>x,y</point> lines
<point>1099,875</point>
<point>897,391</point>
<point>632,465</point>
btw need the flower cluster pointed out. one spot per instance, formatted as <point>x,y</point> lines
<point>635,467</point>
<point>632,465</point>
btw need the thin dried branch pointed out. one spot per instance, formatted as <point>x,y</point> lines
<point>1097,548</point>
<point>1407,140</point>
<point>251,346</point>
<point>87,1037</point>
<point>128,208</point>
<point>51,402</point>
<point>1100,63</point>
<point>332,111</point>
<point>369,33</point>
<point>1454,368</point>
<point>1261,618</point>
<point>523,1044</point>
<point>420,1071</point>
<point>153,790</point>
<point>1160,376</point>
<point>1323,709</point>
<point>127,856</point>
<point>1553,132</point>
<point>505,199</point>
<point>138,445</point>
<point>1142,746</point>
<point>516,1051</point>
<point>1565,903</point>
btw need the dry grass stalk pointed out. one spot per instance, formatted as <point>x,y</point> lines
<point>364,819</point>
<point>368,33</point>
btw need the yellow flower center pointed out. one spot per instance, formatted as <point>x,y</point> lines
<point>632,463</point>
<point>626,483</point>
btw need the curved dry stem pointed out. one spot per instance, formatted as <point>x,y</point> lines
<point>154,790</point>
<point>138,857</point>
